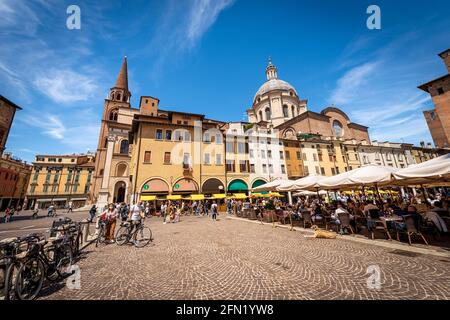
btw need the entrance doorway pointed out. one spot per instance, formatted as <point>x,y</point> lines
<point>119,192</point>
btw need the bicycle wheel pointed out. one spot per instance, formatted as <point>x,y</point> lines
<point>9,281</point>
<point>101,238</point>
<point>30,277</point>
<point>122,236</point>
<point>64,259</point>
<point>142,237</point>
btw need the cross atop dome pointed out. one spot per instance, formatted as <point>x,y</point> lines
<point>271,70</point>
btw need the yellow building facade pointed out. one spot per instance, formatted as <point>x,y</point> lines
<point>175,154</point>
<point>61,180</point>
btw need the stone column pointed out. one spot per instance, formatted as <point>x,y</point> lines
<point>103,194</point>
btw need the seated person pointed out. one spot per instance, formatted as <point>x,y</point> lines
<point>438,208</point>
<point>316,212</point>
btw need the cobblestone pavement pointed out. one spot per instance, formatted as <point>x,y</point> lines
<point>230,259</point>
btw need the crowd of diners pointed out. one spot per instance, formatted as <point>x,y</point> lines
<point>357,212</point>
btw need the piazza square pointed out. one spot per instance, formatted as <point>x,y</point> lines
<point>172,159</point>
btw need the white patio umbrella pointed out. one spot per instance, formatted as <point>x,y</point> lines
<point>309,182</point>
<point>270,186</point>
<point>433,171</point>
<point>366,175</point>
<point>309,193</point>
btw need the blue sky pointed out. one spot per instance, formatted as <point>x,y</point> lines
<point>209,57</point>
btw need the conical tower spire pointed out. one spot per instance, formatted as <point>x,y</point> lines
<point>122,79</point>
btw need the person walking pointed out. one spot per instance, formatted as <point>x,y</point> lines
<point>214,211</point>
<point>7,215</point>
<point>110,215</point>
<point>163,211</point>
<point>92,213</point>
<point>70,207</point>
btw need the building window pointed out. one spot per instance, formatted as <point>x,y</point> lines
<point>33,188</point>
<point>47,177</point>
<point>169,135</point>
<point>337,128</point>
<point>147,156</point>
<point>317,170</point>
<point>113,115</point>
<point>251,153</point>
<point>322,171</point>
<point>218,159</point>
<point>264,167</point>
<point>304,157</point>
<point>320,157</point>
<point>299,155</point>
<point>230,166</point>
<point>269,154</point>
<point>206,138</point>
<point>187,136</point>
<point>333,172</point>
<point>315,157</point>
<point>285,111</point>
<point>337,170</point>
<point>230,147</point>
<point>283,169</point>
<point>186,161</point>
<point>56,177</point>
<point>207,158</point>
<point>218,138</point>
<point>288,155</point>
<point>75,188</point>
<point>54,188</point>
<point>293,111</point>
<point>440,91</point>
<point>124,147</point>
<point>167,158</point>
<point>252,168</point>
<point>36,175</point>
<point>45,188</point>
<point>77,177</point>
<point>268,114</point>
<point>243,166</point>
<point>306,171</point>
<point>270,168</point>
<point>241,147</point>
<point>159,134</point>
<point>260,116</point>
<point>263,154</point>
<point>281,155</point>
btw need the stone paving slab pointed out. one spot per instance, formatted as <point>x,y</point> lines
<point>232,259</point>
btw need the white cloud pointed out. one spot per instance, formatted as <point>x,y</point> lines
<point>66,86</point>
<point>203,15</point>
<point>181,27</point>
<point>51,125</point>
<point>349,85</point>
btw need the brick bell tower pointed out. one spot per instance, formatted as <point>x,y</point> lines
<point>118,98</point>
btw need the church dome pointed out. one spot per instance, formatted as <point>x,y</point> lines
<point>274,84</point>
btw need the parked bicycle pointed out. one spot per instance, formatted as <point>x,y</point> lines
<point>44,259</point>
<point>101,236</point>
<point>139,234</point>
<point>10,261</point>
